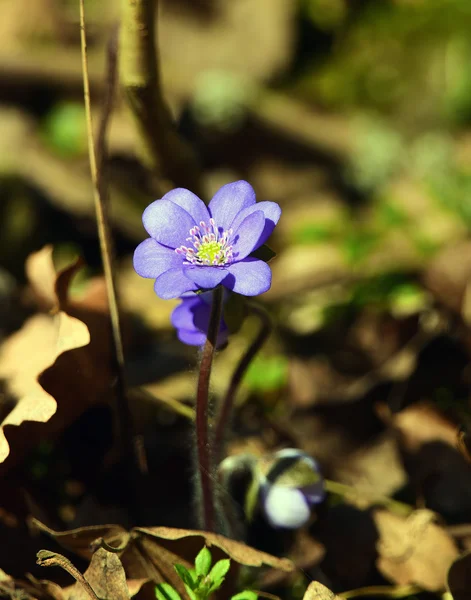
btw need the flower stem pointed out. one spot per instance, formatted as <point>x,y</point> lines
<point>202,414</point>
<point>228,402</point>
<point>342,489</point>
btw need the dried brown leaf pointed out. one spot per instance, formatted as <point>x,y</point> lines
<point>50,287</point>
<point>25,356</point>
<point>57,364</point>
<point>241,553</point>
<point>80,540</point>
<point>151,553</point>
<point>135,586</point>
<point>422,423</point>
<point>317,591</point>
<point>46,590</point>
<point>414,550</point>
<point>106,576</point>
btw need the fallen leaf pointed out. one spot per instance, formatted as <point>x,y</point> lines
<point>33,589</point>
<point>459,578</point>
<point>25,356</point>
<point>106,576</point>
<point>317,591</point>
<point>420,424</point>
<point>44,589</point>
<point>414,550</point>
<point>50,287</point>
<point>56,365</point>
<point>152,552</point>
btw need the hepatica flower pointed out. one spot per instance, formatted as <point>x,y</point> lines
<point>291,485</point>
<point>197,247</point>
<point>191,320</point>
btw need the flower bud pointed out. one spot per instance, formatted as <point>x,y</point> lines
<point>290,485</point>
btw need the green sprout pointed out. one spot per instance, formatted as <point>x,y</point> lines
<point>201,581</point>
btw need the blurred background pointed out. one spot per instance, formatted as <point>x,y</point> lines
<point>353,115</point>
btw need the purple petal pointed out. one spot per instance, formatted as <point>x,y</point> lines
<point>229,201</point>
<point>245,239</point>
<point>191,319</point>
<point>189,202</point>
<point>191,337</point>
<point>315,492</point>
<point>205,277</point>
<point>251,277</point>
<point>151,259</point>
<point>183,315</point>
<point>201,316</point>
<point>272,213</point>
<point>168,223</point>
<point>173,284</point>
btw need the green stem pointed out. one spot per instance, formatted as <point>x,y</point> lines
<point>388,591</point>
<point>228,402</point>
<point>342,489</point>
<point>203,442</point>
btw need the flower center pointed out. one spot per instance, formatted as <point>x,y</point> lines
<point>210,246</point>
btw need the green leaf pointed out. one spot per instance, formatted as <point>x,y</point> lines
<point>164,591</point>
<point>203,562</point>
<point>218,572</point>
<point>185,576</point>
<point>246,595</point>
<point>264,253</point>
<point>191,593</point>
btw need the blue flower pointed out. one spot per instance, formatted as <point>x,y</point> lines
<point>191,320</point>
<point>197,247</point>
<point>290,485</point>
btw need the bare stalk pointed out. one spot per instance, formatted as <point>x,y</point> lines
<point>163,150</point>
<point>203,442</point>
<point>124,417</point>
<point>228,402</point>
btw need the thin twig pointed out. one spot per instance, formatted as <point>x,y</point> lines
<point>52,559</point>
<point>228,402</point>
<point>203,443</point>
<point>164,151</point>
<point>124,417</point>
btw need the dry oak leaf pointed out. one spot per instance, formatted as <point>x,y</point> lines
<point>46,368</point>
<point>25,356</point>
<point>106,576</point>
<point>32,589</point>
<point>414,549</point>
<point>152,552</point>
<point>419,424</point>
<point>317,591</point>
